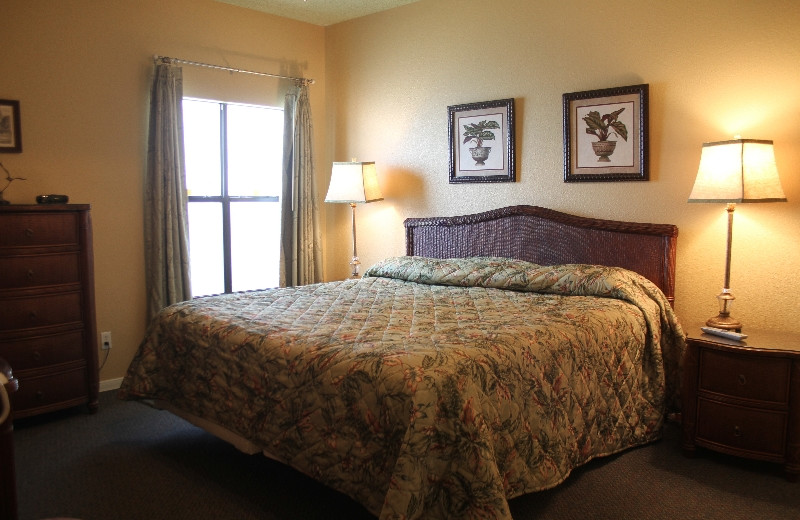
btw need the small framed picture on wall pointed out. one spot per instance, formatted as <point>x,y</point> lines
<point>482,141</point>
<point>10,134</point>
<point>605,135</point>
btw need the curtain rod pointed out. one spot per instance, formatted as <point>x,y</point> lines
<point>231,69</point>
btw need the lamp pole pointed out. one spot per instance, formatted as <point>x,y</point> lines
<point>355,262</point>
<point>724,320</point>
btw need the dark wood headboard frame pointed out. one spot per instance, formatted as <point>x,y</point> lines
<point>548,237</point>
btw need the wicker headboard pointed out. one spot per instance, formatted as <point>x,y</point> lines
<point>547,237</point>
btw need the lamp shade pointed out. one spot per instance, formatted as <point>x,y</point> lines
<point>740,170</point>
<point>353,182</point>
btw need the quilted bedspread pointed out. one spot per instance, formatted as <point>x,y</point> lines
<point>429,388</point>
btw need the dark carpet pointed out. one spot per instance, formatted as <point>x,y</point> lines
<point>129,461</point>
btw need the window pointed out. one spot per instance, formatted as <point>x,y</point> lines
<point>233,178</point>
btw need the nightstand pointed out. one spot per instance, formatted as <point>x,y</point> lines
<point>743,397</point>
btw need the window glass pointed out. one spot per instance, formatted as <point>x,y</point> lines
<point>206,251</point>
<point>201,138</point>
<point>254,262</point>
<point>255,150</point>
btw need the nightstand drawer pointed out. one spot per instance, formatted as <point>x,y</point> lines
<point>741,428</point>
<point>40,270</point>
<point>39,229</point>
<point>745,376</point>
<point>40,311</point>
<point>43,351</point>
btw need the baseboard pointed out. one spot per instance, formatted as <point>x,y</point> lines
<point>110,384</point>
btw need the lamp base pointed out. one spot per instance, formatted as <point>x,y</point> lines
<point>354,263</point>
<point>724,322</point>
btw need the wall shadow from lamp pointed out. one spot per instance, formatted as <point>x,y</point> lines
<point>354,183</point>
<point>736,171</point>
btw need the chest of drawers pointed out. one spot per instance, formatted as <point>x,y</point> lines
<point>47,315</point>
<point>743,398</point>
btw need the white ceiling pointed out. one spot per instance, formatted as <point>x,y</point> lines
<point>319,12</point>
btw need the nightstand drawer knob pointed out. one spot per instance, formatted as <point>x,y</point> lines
<point>737,432</point>
<point>742,379</point>
<point>28,232</point>
<point>30,274</point>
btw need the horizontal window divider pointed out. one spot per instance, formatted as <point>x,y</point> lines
<point>220,198</point>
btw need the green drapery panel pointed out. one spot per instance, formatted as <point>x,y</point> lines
<point>301,258</point>
<point>166,225</point>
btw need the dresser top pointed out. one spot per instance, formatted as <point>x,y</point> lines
<point>27,208</point>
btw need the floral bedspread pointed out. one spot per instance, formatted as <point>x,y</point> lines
<point>429,388</point>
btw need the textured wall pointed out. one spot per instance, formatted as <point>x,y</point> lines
<point>81,70</point>
<point>715,69</point>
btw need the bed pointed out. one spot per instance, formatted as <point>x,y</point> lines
<point>504,350</point>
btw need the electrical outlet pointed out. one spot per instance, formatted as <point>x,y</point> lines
<point>105,340</point>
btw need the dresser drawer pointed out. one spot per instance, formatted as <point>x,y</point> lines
<point>40,270</point>
<point>742,428</point>
<point>39,229</point>
<point>40,311</point>
<point>745,376</point>
<point>43,351</point>
<point>54,389</point>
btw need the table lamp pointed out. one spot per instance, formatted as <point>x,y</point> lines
<point>740,170</point>
<point>353,183</point>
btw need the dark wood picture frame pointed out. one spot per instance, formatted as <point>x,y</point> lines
<point>10,133</point>
<point>605,134</point>
<point>472,124</point>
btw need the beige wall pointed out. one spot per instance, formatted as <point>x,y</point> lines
<point>716,68</point>
<point>81,71</point>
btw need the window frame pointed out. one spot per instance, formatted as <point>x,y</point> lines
<point>225,199</point>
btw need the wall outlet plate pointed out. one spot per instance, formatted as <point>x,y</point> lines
<point>105,340</point>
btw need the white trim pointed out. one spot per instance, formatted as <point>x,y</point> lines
<point>110,384</point>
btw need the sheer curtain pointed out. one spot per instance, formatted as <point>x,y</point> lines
<point>166,230</point>
<point>301,258</point>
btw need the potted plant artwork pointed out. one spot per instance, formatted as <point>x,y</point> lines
<point>603,127</point>
<point>480,132</point>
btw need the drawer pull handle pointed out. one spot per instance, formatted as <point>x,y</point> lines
<point>742,379</point>
<point>737,432</point>
<point>37,356</point>
<point>30,274</point>
<point>39,395</point>
<point>28,232</point>
<point>32,316</point>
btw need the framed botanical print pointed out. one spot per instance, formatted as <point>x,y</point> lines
<point>10,135</point>
<point>482,141</point>
<point>605,135</point>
